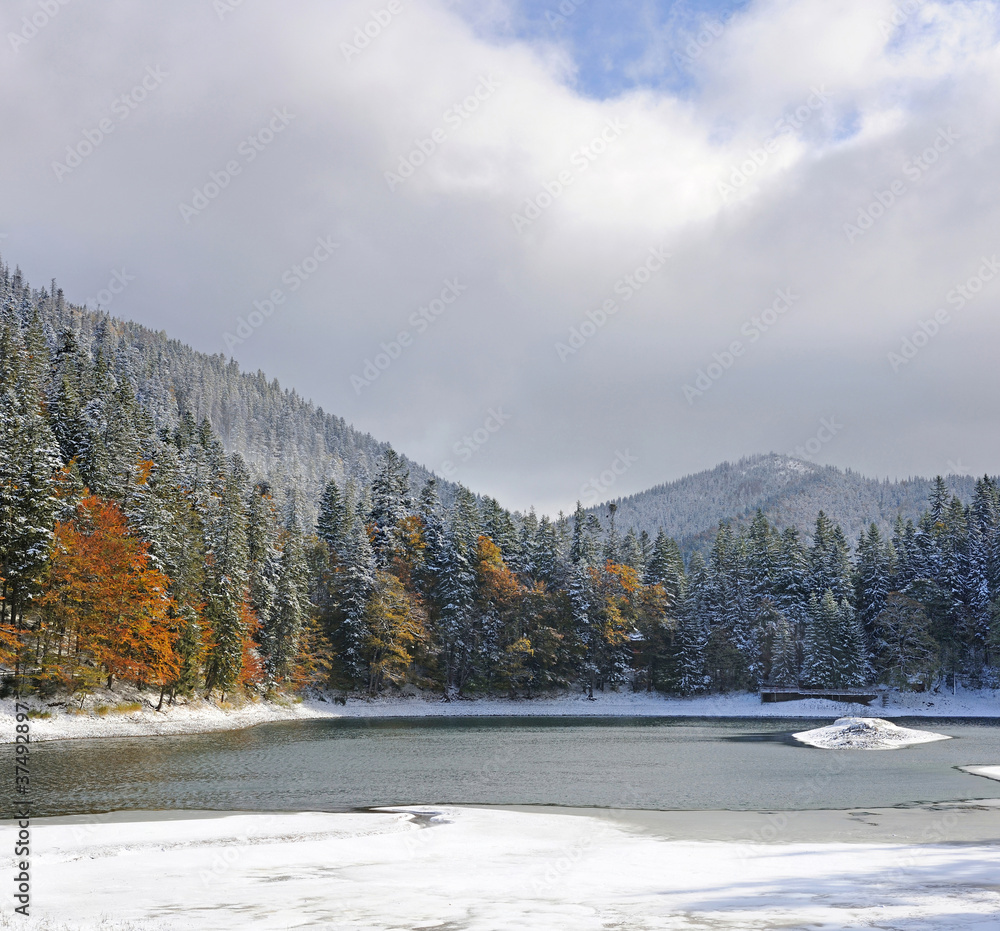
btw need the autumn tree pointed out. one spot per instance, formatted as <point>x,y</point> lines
<point>106,601</point>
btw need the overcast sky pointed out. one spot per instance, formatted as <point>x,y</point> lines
<point>600,196</point>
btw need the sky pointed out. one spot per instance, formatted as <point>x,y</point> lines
<point>553,250</point>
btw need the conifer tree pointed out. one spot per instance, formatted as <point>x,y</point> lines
<point>873,570</point>
<point>29,460</point>
<point>390,506</point>
<point>227,608</point>
<point>693,631</point>
<point>819,661</point>
<point>288,611</point>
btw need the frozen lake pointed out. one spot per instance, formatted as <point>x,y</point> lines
<point>641,763</point>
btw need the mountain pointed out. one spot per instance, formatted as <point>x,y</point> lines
<point>789,491</point>
<point>284,438</point>
<point>292,443</point>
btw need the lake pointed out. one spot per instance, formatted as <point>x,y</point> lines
<point>687,764</point>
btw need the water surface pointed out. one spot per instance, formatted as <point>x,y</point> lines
<point>635,763</point>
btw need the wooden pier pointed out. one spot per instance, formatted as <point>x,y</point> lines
<point>860,696</point>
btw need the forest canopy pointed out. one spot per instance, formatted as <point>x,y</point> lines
<point>135,547</point>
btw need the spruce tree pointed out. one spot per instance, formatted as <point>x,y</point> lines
<point>390,506</point>
<point>819,660</point>
<point>873,569</point>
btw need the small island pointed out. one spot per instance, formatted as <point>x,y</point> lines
<point>865,734</point>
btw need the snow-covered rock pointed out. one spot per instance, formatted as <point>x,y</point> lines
<point>865,734</point>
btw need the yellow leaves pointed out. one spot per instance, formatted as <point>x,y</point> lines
<point>615,627</point>
<point>520,647</point>
<point>497,585</point>
<point>395,623</point>
<point>413,533</point>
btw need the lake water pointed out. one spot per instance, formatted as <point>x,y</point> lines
<point>641,763</point>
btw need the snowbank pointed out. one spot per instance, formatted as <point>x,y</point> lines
<point>865,734</point>
<point>189,718</point>
<point>990,772</point>
<point>984,703</point>
<point>481,870</point>
<point>201,716</point>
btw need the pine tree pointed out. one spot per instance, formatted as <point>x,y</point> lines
<point>331,527</point>
<point>390,506</point>
<point>288,611</point>
<point>265,557</point>
<point>829,561</point>
<point>872,573</point>
<point>227,608</point>
<point>665,568</point>
<point>631,552</point>
<point>693,631</point>
<point>851,655</point>
<point>546,555</point>
<point>583,549</point>
<point>784,671</point>
<point>456,593</point>
<point>791,581</point>
<point>355,586</point>
<point>29,460</point>
<point>498,525</point>
<point>819,661</point>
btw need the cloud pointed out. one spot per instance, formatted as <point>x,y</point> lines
<point>798,117</point>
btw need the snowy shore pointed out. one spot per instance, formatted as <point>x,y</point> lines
<point>201,716</point>
<point>482,869</point>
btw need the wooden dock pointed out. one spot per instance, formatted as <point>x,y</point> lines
<point>860,696</point>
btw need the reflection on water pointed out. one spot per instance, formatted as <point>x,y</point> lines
<point>636,763</point>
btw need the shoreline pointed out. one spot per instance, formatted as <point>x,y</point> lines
<point>945,822</point>
<point>201,716</point>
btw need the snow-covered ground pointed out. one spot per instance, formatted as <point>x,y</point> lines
<point>190,718</point>
<point>865,734</point>
<point>483,870</point>
<point>990,772</point>
<point>204,716</point>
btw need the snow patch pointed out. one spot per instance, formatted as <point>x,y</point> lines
<point>990,772</point>
<point>865,734</point>
<point>481,870</point>
<point>119,720</point>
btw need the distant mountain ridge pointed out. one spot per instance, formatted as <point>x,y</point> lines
<point>789,491</point>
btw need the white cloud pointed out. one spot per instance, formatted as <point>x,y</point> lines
<point>656,183</point>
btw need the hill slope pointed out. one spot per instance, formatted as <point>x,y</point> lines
<point>283,437</point>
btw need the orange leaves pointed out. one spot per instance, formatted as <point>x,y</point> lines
<point>626,577</point>
<point>103,593</point>
<point>143,470</point>
<point>252,669</point>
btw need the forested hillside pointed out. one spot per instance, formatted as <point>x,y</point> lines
<point>134,546</point>
<point>790,492</point>
<point>282,437</point>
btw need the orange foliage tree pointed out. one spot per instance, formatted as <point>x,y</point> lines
<point>105,600</point>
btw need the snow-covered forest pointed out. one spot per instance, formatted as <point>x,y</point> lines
<point>168,521</point>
